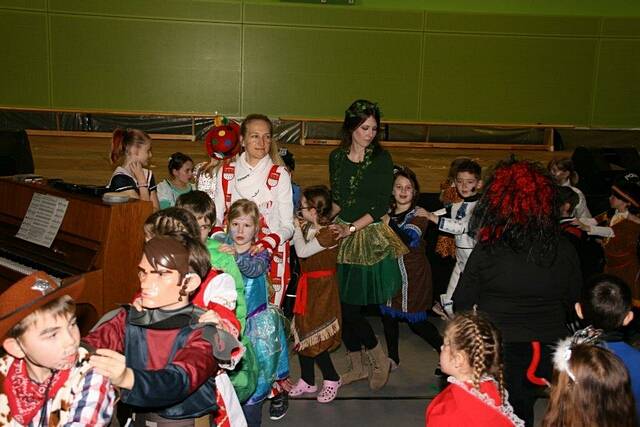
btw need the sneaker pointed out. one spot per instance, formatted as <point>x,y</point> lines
<point>279,406</point>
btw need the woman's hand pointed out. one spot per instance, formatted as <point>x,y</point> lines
<point>227,249</point>
<point>256,249</point>
<point>341,230</point>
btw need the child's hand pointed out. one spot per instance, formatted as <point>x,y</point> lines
<point>432,217</point>
<point>385,218</point>
<point>138,172</point>
<point>113,365</point>
<point>422,212</point>
<point>210,317</point>
<point>227,249</point>
<point>582,225</point>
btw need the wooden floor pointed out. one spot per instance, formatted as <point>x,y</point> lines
<point>84,160</point>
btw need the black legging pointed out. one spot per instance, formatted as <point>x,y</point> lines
<point>356,330</point>
<point>424,329</point>
<point>323,360</point>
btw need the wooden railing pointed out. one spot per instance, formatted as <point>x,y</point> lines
<point>546,144</point>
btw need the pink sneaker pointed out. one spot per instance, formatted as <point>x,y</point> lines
<point>301,388</point>
<point>329,391</point>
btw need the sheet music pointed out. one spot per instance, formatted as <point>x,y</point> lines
<point>43,219</point>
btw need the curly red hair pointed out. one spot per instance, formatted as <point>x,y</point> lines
<point>518,207</point>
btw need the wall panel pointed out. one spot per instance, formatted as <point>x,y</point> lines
<point>130,64</point>
<point>617,94</point>
<point>319,72</point>
<point>199,10</point>
<point>457,60</point>
<point>24,77</point>
<point>507,79</point>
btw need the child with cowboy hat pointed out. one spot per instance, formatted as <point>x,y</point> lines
<point>45,374</point>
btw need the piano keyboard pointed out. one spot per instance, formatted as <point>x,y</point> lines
<point>23,269</point>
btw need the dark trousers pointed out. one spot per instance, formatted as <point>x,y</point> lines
<point>523,393</point>
<point>253,414</point>
<point>424,329</point>
<point>307,371</point>
<point>356,330</point>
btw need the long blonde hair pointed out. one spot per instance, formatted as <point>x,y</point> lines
<point>474,335</point>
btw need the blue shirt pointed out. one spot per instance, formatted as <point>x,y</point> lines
<point>630,356</point>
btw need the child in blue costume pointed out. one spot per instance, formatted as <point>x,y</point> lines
<point>264,326</point>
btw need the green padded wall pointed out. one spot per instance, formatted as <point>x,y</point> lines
<point>572,62</point>
<point>24,74</point>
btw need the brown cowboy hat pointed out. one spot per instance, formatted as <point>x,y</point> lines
<point>29,294</point>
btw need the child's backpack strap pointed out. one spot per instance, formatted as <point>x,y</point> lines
<point>228,173</point>
<point>273,177</point>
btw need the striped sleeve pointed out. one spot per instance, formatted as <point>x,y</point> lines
<point>93,406</point>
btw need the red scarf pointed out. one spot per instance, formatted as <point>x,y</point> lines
<point>26,397</point>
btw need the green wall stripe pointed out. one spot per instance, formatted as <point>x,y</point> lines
<point>332,17</point>
<point>202,10</point>
<point>513,24</point>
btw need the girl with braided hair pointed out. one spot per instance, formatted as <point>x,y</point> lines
<point>471,355</point>
<point>523,273</point>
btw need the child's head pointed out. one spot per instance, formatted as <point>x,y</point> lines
<point>244,221</point>
<point>315,204</point>
<point>289,159</point>
<point>405,188</point>
<point>468,178</point>
<point>625,194</point>
<point>567,200</point>
<point>171,221</point>
<point>131,144</point>
<point>590,387</point>
<point>202,207</point>
<point>472,349</point>
<point>180,167</point>
<point>38,323</point>
<point>453,167</point>
<point>605,303</point>
<point>171,269</point>
<point>562,170</point>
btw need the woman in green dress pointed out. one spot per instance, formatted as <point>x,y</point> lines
<point>361,174</point>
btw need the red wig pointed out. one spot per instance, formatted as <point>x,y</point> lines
<point>518,208</point>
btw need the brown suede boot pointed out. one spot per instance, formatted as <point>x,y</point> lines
<point>379,366</point>
<point>355,368</point>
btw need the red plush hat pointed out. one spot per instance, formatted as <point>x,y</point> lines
<point>29,294</point>
<point>223,140</point>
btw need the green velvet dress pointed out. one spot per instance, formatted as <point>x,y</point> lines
<point>368,271</point>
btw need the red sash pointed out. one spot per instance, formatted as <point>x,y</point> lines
<point>300,307</point>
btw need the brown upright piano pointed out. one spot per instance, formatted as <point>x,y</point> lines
<point>99,241</point>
